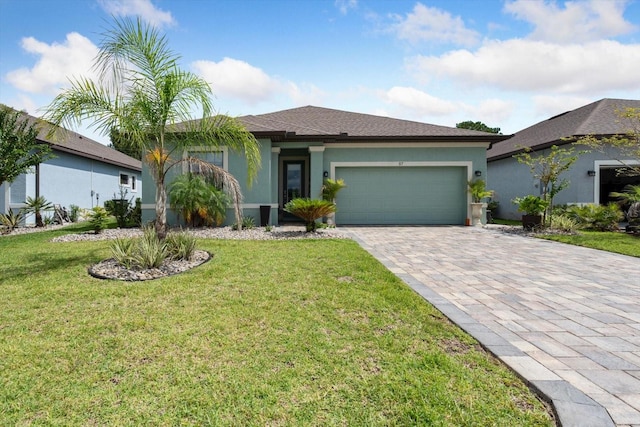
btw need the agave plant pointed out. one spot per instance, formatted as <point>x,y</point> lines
<point>310,210</point>
<point>36,205</point>
<point>11,220</point>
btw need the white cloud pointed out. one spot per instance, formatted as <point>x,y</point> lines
<point>430,24</point>
<point>239,79</point>
<point>576,22</point>
<point>419,102</point>
<point>143,8</point>
<point>524,65</point>
<point>344,6</point>
<point>57,63</point>
<point>549,106</point>
<point>490,111</point>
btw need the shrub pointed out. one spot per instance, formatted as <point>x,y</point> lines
<point>331,187</point>
<point>564,223</point>
<point>11,220</point>
<point>74,213</point>
<point>478,190</point>
<point>150,251</point>
<point>98,218</point>
<point>180,246</point>
<point>531,205</point>
<point>122,251</point>
<point>127,214</point>
<point>596,217</point>
<point>198,201</point>
<point>310,210</point>
<point>248,223</point>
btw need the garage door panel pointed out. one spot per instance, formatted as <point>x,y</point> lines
<point>402,195</point>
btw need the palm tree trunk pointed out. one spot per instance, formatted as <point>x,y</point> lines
<point>161,210</point>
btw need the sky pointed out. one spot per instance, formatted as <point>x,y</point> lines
<point>509,64</point>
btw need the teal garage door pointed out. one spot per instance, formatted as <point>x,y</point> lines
<point>402,196</point>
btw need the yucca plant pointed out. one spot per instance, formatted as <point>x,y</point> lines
<point>11,220</point>
<point>122,251</point>
<point>310,210</point>
<point>150,251</point>
<point>180,245</point>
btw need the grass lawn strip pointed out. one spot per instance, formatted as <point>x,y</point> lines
<point>313,332</point>
<point>620,243</point>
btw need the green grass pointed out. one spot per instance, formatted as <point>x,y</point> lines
<point>313,332</point>
<point>620,243</point>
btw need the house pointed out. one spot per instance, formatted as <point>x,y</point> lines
<point>82,172</point>
<point>396,171</point>
<point>592,177</point>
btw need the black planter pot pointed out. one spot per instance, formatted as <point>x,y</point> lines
<point>531,222</point>
<point>265,213</point>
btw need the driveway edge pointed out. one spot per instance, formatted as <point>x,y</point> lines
<point>571,407</point>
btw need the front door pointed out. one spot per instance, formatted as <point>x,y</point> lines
<point>293,183</point>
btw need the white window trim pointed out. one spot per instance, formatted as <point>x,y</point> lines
<point>606,164</point>
<point>205,149</point>
<point>128,184</point>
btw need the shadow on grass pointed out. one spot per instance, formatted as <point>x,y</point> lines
<point>47,261</point>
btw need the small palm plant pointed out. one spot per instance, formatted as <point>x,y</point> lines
<point>478,190</point>
<point>36,205</point>
<point>331,187</point>
<point>310,210</point>
<point>630,194</point>
<point>197,200</point>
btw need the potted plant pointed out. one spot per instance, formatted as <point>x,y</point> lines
<point>330,189</point>
<point>533,208</point>
<point>478,190</point>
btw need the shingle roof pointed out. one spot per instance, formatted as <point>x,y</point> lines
<point>316,122</point>
<point>74,143</point>
<point>597,118</point>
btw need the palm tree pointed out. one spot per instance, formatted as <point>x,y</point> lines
<point>36,205</point>
<point>144,96</point>
<point>197,200</point>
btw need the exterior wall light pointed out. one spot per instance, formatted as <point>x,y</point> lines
<point>478,173</point>
<point>591,173</point>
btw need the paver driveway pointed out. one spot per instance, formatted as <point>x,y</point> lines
<point>566,318</point>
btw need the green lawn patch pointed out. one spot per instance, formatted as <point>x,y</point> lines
<point>307,332</point>
<point>620,243</point>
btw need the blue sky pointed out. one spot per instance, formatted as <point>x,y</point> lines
<point>507,63</point>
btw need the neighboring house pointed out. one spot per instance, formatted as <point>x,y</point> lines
<point>83,173</point>
<point>592,177</point>
<point>396,171</point>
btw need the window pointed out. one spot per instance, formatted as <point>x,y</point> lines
<point>214,157</point>
<point>124,179</point>
<point>133,183</point>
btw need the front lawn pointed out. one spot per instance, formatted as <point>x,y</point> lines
<point>307,332</point>
<point>621,243</point>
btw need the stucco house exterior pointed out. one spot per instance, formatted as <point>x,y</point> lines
<point>592,177</point>
<point>396,171</point>
<point>82,172</point>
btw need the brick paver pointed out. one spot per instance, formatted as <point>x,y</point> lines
<point>565,318</point>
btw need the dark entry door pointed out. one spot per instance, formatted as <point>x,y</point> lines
<point>293,184</point>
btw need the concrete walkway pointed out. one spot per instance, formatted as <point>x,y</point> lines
<point>565,318</point>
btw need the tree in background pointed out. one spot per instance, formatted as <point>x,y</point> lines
<point>547,168</point>
<point>19,148</point>
<point>477,126</point>
<point>623,147</point>
<point>143,95</point>
<point>122,144</point>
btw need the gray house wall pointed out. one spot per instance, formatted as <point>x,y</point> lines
<point>510,179</point>
<point>69,179</point>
